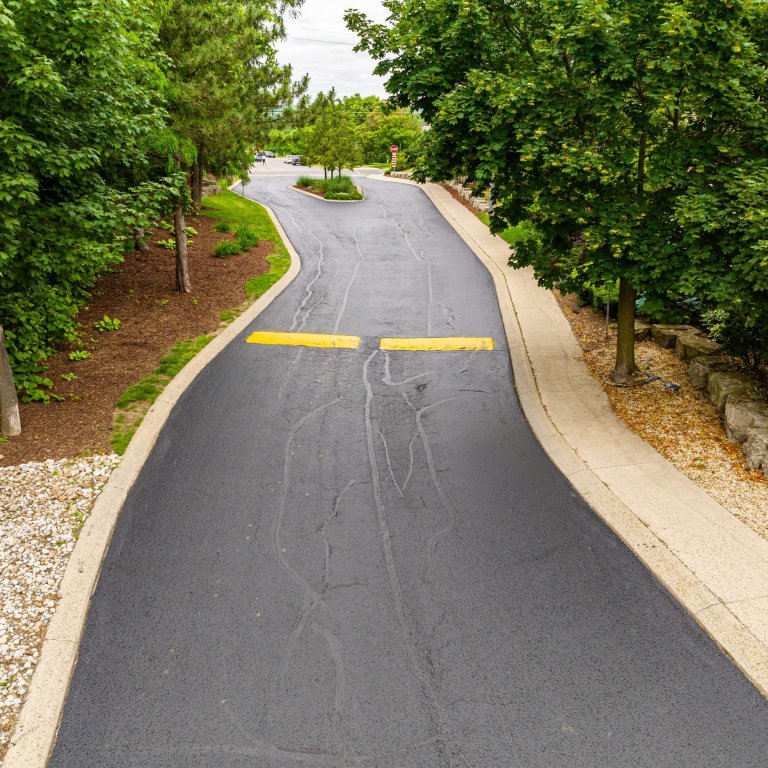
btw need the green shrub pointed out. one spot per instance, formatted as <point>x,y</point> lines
<point>107,323</point>
<point>247,238</point>
<point>306,181</point>
<point>222,226</point>
<point>343,195</point>
<point>169,244</point>
<point>341,184</point>
<point>743,335</point>
<point>227,248</point>
<point>79,354</point>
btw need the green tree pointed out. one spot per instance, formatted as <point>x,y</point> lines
<point>598,122</point>
<point>80,92</point>
<point>332,142</point>
<point>225,84</point>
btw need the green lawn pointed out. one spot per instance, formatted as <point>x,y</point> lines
<point>238,212</point>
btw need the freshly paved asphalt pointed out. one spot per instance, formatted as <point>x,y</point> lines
<point>365,559</point>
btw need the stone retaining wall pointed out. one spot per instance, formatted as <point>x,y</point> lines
<point>734,394</point>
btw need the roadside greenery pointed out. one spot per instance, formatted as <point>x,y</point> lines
<point>338,188</point>
<point>629,137</point>
<point>366,126</point>
<point>254,223</point>
<point>109,112</point>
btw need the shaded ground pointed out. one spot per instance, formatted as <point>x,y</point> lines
<point>153,316</point>
<point>683,427</point>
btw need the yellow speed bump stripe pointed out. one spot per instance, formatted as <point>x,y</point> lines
<point>326,340</point>
<point>437,344</point>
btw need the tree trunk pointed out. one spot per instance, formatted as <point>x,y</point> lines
<point>182,263</point>
<point>139,241</point>
<point>197,177</point>
<point>10,421</point>
<point>625,369</point>
<point>325,172</point>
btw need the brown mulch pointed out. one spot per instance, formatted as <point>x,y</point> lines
<point>459,199</point>
<point>312,191</point>
<point>153,316</point>
<point>682,427</point>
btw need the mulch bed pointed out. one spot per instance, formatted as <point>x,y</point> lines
<point>683,427</point>
<point>153,317</point>
<point>312,191</point>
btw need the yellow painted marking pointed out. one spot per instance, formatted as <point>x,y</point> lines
<point>437,344</point>
<point>326,340</point>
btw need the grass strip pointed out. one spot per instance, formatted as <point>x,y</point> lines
<point>238,213</point>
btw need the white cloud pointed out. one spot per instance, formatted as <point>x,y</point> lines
<point>320,45</point>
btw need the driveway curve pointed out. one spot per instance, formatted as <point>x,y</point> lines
<point>363,558</point>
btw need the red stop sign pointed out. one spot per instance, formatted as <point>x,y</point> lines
<point>393,149</point>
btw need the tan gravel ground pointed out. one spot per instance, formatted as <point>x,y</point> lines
<point>683,427</point>
<point>42,508</point>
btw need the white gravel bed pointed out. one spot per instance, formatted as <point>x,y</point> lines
<point>42,508</point>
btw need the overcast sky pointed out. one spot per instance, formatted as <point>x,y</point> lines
<point>320,45</point>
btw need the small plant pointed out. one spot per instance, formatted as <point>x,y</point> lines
<point>107,323</point>
<point>163,302</point>
<point>247,238</point>
<point>69,376</point>
<point>195,300</point>
<point>222,226</point>
<point>227,248</point>
<point>79,354</point>
<point>169,244</point>
<point>191,231</point>
<point>306,181</point>
<point>166,225</point>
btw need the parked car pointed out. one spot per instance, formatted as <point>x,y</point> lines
<point>268,153</point>
<point>296,160</point>
<point>290,159</point>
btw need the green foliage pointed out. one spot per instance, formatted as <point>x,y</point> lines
<point>227,248</point>
<point>222,226</point>
<point>225,78</point>
<point>741,335</point>
<point>247,237</point>
<point>80,93</point>
<point>69,376</point>
<point>169,244</point>
<point>191,231</point>
<point>338,188</point>
<point>79,354</point>
<point>629,133</point>
<point>107,323</point>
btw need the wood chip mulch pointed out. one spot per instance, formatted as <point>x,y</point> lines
<point>682,427</point>
<point>153,317</point>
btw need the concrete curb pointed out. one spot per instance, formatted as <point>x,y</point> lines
<point>35,735</point>
<point>711,563</point>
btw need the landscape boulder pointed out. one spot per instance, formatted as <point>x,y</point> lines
<point>724,384</point>
<point>756,450</point>
<point>690,345</point>
<point>666,335</point>
<point>642,330</point>
<point>210,189</point>
<point>742,415</point>
<point>702,367</point>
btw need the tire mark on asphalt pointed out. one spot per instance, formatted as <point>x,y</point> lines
<point>449,752</point>
<point>324,533</point>
<point>346,298</point>
<point>340,694</point>
<point>309,596</point>
<point>453,514</point>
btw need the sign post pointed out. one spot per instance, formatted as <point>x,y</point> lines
<point>393,150</point>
